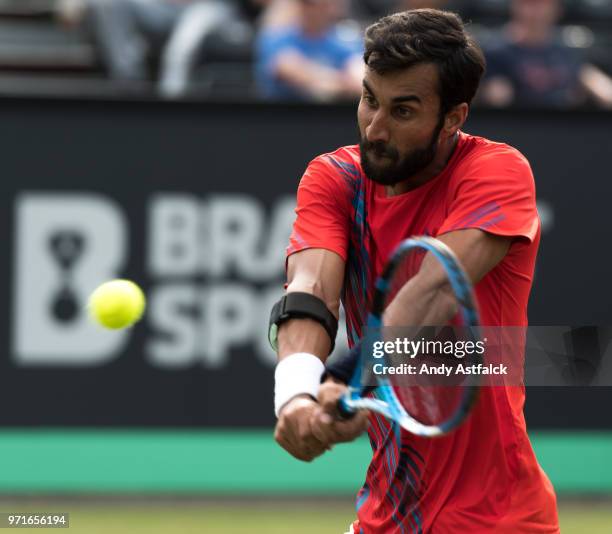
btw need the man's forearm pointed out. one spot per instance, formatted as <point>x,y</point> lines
<point>425,300</point>
<point>319,273</point>
<point>303,343</point>
<point>303,335</point>
<point>431,306</point>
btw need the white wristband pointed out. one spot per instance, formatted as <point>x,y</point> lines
<point>297,374</point>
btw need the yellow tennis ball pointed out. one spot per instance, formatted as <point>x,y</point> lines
<point>117,304</point>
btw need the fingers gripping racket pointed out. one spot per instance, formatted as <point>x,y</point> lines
<point>423,409</point>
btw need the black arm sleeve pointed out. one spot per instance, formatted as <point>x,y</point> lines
<point>343,368</point>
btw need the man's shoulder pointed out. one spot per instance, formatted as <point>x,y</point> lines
<point>343,159</point>
<point>338,171</point>
<point>477,150</point>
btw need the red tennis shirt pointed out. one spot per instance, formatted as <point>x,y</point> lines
<point>483,477</point>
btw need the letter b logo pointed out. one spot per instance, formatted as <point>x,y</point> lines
<point>65,245</point>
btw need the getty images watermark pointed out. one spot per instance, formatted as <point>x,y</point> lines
<point>423,348</point>
<point>500,356</point>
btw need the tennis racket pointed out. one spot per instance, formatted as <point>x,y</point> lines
<point>423,408</point>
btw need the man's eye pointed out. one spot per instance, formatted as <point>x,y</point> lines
<point>403,112</point>
<point>369,100</point>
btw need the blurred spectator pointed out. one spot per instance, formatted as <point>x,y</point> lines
<point>373,9</point>
<point>279,14</point>
<point>70,12</point>
<point>314,57</point>
<point>530,65</point>
<point>403,5</point>
<point>127,30</point>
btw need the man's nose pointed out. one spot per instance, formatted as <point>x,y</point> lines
<point>378,130</point>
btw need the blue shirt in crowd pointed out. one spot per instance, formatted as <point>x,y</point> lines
<point>333,49</point>
<point>542,76</point>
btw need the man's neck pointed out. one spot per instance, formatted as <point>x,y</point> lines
<point>443,155</point>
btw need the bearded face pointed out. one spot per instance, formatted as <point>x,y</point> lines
<point>400,120</point>
<point>386,165</point>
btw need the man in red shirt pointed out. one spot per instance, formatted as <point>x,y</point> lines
<point>414,173</point>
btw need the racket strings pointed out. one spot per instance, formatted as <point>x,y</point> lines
<point>431,399</point>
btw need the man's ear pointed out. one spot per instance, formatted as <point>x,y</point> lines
<point>455,119</point>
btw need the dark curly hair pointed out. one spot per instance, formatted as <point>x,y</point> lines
<point>417,36</point>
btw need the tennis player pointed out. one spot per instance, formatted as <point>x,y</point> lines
<point>415,172</point>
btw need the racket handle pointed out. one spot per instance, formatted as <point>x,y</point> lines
<point>344,413</point>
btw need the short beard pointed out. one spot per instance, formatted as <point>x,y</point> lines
<point>398,169</point>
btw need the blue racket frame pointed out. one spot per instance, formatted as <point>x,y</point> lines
<point>386,402</point>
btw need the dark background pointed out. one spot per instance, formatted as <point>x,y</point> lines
<point>127,150</point>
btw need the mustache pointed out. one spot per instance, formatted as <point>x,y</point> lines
<point>379,148</point>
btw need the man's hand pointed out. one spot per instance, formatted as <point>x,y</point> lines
<point>306,428</point>
<point>293,430</point>
<point>324,423</point>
